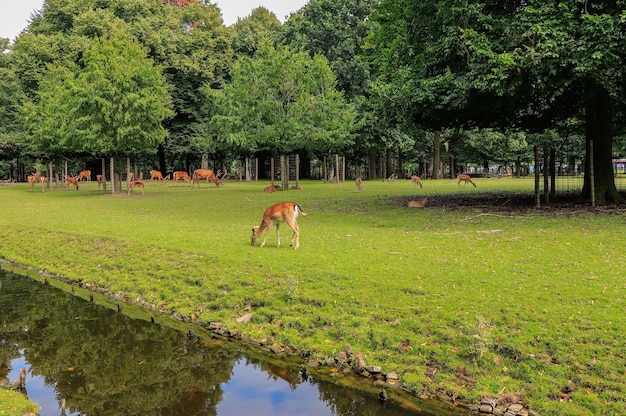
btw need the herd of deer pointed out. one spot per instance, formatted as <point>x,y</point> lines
<point>198,175</point>
<point>286,212</point>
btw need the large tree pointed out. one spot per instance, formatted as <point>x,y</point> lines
<point>513,63</point>
<point>337,29</point>
<point>185,38</point>
<point>282,101</point>
<point>113,105</point>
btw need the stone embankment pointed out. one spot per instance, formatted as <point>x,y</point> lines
<point>346,361</point>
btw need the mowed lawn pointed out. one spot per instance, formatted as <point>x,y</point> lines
<point>527,303</point>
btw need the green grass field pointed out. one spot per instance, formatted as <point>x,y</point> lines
<point>498,304</point>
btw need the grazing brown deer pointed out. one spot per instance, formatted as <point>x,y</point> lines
<point>86,174</point>
<point>43,180</point>
<point>181,175</point>
<point>274,215</point>
<point>156,174</point>
<point>418,204</point>
<point>207,175</point>
<point>415,180</point>
<point>465,178</point>
<point>358,182</point>
<point>71,181</point>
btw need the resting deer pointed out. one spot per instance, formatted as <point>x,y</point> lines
<point>416,181</point>
<point>274,215</point>
<point>418,204</point>
<point>271,188</point>
<point>358,182</point>
<point>465,178</point>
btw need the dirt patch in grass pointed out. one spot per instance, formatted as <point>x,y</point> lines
<point>509,202</point>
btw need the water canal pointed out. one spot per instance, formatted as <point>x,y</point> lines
<point>102,362</point>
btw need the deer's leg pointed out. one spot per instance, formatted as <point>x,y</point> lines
<point>296,234</point>
<point>267,232</point>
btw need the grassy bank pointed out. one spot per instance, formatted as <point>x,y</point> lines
<point>527,303</point>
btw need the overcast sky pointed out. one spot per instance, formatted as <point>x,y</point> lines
<point>14,14</point>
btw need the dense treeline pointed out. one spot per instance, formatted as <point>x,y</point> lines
<point>395,85</point>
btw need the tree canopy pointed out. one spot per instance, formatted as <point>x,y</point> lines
<point>528,64</point>
<point>281,101</point>
<point>114,104</point>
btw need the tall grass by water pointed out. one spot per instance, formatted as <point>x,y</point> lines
<point>528,304</point>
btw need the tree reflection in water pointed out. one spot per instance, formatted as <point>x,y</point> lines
<point>105,363</point>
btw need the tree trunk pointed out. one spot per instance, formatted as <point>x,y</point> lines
<point>127,174</point>
<point>161,156</point>
<point>372,174</point>
<point>553,173</point>
<point>114,186</point>
<point>104,175</point>
<point>599,130</point>
<point>436,155</point>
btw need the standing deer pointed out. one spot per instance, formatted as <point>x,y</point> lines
<point>207,175</point>
<point>156,174</point>
<point>43,180</point>
<point>274,215</point>
<point>465,178</point>
<point>86,174</point>
<point>136,184</point>
<point>31,182</point>
<point>101,180</point>
<point>71,181</point>
<point>182,175</point>
<point>358,182</point>
<point>415,180</point>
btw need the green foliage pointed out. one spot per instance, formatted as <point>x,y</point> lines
<point>335,29</point>
<point>526,303</point>
<point>251,32</point>
<point>189,44</point>
<point>503,148</point>
<point>511,64</point>
<point>281,101</point>
<point>113,105</point>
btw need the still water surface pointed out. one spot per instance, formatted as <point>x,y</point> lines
<point>106,363</point>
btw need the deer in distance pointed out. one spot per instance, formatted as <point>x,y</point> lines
<point>415,180</point>
<point>358,182</point>
<point>465,178</point>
